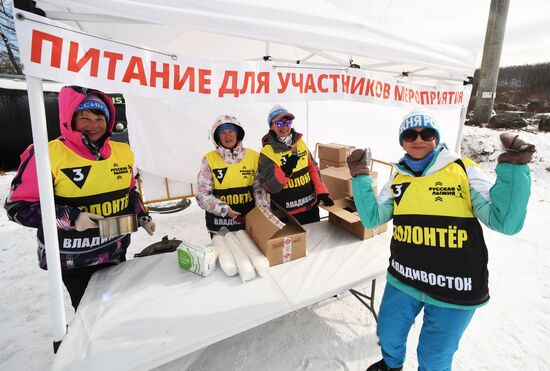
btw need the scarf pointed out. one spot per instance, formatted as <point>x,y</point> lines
<point>231,156</point>
<point>418,166</point>
<point>287,141</point>
<point>93,148</point>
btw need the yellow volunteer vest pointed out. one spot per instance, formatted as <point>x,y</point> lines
<point>232,185</point>
<point>437,244</point>
<point>298,192</point>
<point>99,187</point>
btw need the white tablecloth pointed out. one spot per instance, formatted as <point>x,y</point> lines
<point>149,311</point>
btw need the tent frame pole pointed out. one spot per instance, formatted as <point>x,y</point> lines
<point>47,205</point>
<point>327,56</point>
<point>86,17</point>
<point>307,121</point>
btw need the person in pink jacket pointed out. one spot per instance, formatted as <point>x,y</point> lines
<point>92,178</point>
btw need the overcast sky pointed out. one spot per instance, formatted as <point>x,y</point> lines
<point>463,23</point>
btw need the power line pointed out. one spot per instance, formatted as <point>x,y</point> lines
<point>368,6</point>
<point>408,10</point>
<point>437,2</point>
<point>385,10</point>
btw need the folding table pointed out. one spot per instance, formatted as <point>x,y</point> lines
<point>148,311</point>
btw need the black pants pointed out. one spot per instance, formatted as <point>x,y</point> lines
<point>76,281</point>
<point>309,216</point>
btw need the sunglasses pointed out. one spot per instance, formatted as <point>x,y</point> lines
<point>411,135</point>
<point>282,123</point>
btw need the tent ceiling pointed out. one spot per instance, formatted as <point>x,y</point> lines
<point>248,30</point>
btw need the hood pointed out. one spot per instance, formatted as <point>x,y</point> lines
<point>69,99</point>
<point>227,119</point>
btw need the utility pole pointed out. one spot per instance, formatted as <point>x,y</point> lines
<point>488,76</point>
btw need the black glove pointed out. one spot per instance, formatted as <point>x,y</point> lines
<point>327,201</point>
<point>290,164</point>
<point>359,162</point>
<point>517,150</point>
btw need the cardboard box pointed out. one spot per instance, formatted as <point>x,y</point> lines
<point>338,181</point>
<point>334,152</point>
<point>323,164</point>
<point>344,214</point>
<point>280,244</point>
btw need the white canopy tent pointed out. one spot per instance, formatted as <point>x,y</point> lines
<point>281,47</point>
<point>314,27</point>
<point>314,33</point>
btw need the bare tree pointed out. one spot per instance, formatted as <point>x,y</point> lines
<point>9,51</point>
<point>520,84</point>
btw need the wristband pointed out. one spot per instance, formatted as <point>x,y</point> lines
<point>144,219</point>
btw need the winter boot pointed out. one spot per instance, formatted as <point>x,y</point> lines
<point>382,366</point>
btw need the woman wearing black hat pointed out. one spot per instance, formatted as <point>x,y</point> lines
<point>228,185</point>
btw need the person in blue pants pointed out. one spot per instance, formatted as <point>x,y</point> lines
<point>438,260</point>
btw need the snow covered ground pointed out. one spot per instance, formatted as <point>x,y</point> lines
<point>511,333</point>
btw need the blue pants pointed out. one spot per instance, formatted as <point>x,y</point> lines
<point>439,337</point>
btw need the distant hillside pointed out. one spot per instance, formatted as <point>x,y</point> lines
<point>520,84</point>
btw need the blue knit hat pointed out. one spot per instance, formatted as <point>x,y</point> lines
<point>226,126</point>
<point>96,103</point>
<point>226,122</point>
<point>419,119</point>
<point>278,112</point>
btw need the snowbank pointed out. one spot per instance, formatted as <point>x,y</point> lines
<point>511,332</point>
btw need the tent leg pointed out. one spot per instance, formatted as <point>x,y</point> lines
<point>47,205</point>
<point>370,304</point>
<point>56,345</point>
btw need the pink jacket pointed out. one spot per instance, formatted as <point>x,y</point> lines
<point>23,203</point>
<point>69,99</point>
